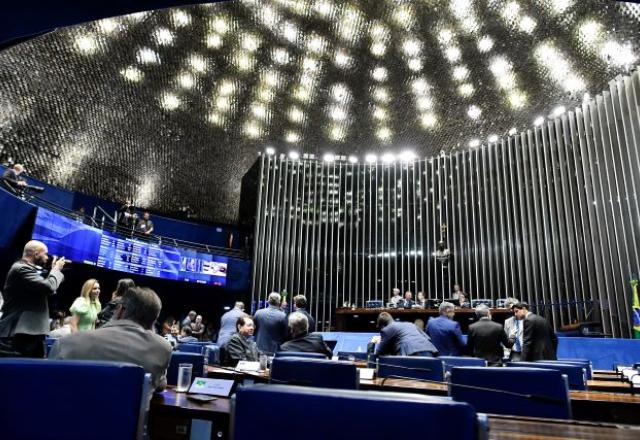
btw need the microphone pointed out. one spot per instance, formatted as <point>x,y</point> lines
<point>537,397</point>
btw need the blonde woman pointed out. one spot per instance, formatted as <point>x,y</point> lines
<point>86,307</point>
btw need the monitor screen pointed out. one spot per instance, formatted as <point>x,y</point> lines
<point>67,237</point>
<point>81,243</point>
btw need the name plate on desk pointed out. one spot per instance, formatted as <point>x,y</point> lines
<point>212,387</point>
<point>366,373</point>
<point>248,366</point>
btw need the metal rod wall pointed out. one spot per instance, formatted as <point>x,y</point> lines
<point>550,216</point>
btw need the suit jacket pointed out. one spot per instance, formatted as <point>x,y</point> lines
<point>539,341</point>
<point>271,328</point>
<point>485,340</point>
<point>509,328</point>
<point>446,335</point>
<point>403,339</point>
<point>406,303</point>
<point>122,341</point>
<point>309,343</point>
<point>26,293</point>
<point>240,348</point>
<point>312,322</point>
<point>228,325</point>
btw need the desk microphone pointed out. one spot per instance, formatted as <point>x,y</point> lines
<point>537,397</point>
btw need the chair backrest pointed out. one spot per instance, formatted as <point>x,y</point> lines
<point>321,373</point>
<point>586,363</point>
<point>459,361</point>
<point>415,367</point>
<point>190,347</point>
<point>48,343</point>
<point>177,358</point>
<point>531,392</point>
<point>576,374</point>
<point>357,355</point>
<point>52,390</point>
<point>351,413</point>
<point>214,353</point>
<point>300,354</point>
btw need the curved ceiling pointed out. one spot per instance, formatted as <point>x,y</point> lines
<point>171,107</point>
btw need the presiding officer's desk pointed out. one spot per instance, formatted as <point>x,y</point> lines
<point>360,319</point>
<point>600,406</point>
<point>173,416</point>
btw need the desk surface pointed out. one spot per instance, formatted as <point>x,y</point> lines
<point>500,427</point>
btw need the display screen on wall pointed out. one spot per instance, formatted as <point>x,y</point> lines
<point>81,243</point>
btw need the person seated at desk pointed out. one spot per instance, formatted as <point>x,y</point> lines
<point>463,301</point>
<point>486,338</point>
<point>445,332</point>
<point>395,298</point>
<point>185,335</point>
<point>240,347</point>
<point>421,300</point>
<point>125,338</point>
<point>407,302</point>
<point>401,339</point>
<point>302,340</point>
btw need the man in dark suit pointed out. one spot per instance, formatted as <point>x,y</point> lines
<point>25,317</point>
<point>539,341</point>
<point>271,325</point>
<point>486,338</point>
<point>300,304</point>
<point>228,323</point>
<point>125,338</point>
<point>401,338</point>
<point>445,333</point>
<point>407,301</point>
<point>301,339</point>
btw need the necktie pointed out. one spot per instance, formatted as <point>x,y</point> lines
<point>516,346</point>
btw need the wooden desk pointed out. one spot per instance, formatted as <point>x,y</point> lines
<point>348,319</point>
<point>172,415</point>
<point>611,386</point>
<point>508,427</point>
<point>239,376</point>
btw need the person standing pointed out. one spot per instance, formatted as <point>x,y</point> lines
<point>401,339</point>
<point>271,325</point>
<point>145,225</point>
<point>445,333</point>
<point>486,338</point>
<point>86,307</point>
<point>228,323</point>
<point>539,341</point>
<point>12,181</point>
<point>300,305</point>
<point>513,328</point>
<point>25,318</point>
<point>116,297</point>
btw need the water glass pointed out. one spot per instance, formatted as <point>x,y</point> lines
<point>184,377</point>
<point>263,361</point>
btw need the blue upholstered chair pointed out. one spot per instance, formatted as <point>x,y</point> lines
<point>213,350</point>
<point>531,392</point>
<point>576,374</point>
<point>214,353</point>
<point>190,347</point>
<point>350,413</point>
<point>53,399</point>
<point>48,344</point>
<point>177,358</point>
<point>357,355</point>
<point>300,354</point>
<point>459,361</point>
<point>321,373</point>
<point>586,363</point>
<point>415,367</point>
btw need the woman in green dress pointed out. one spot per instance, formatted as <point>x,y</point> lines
<point>86,307</point>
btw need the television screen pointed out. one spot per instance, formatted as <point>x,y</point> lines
<point>79,242</point>
<point>67,237</point>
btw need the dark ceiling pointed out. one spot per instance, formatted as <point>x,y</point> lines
<point>172,107</point>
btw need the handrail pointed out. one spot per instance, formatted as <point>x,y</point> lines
<point>112,226</point>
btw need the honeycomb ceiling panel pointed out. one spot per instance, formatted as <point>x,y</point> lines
<point>171,107</point>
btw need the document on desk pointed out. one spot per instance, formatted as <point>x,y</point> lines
<point>212,387</point>
<point>366,373</point>
<point>248,366</point>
